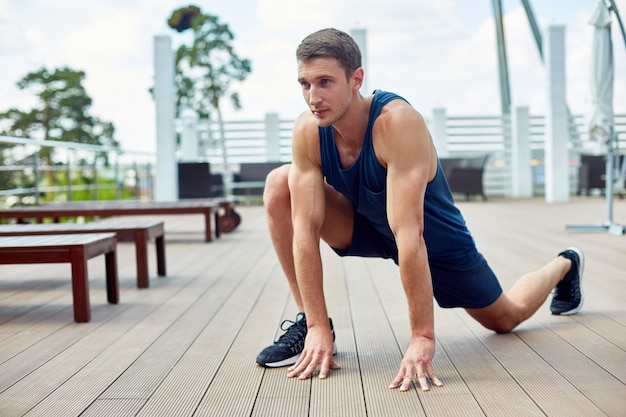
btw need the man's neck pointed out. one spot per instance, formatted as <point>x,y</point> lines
<point>350,130</point>
<point>352,127</point>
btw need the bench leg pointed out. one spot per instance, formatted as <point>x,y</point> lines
<point>218,229</point>
<point>160,255</point>
<point>113,287</point>
<point>141,252</point>
<point>207,226</point>
<point>80,285</point>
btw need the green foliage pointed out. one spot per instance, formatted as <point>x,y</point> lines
<point>61,113</point>
<point>206,69</point>
<point>181,18</point>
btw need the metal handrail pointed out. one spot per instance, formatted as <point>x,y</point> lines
<point>34,170</point>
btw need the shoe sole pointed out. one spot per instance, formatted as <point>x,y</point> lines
<point>581,268</point>
<point>288,361</point>
<point>280,364</point>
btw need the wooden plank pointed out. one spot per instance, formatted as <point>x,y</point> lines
<point>455,394</point>
<point>342,393</point>
<point>158,361</point>
<point>130,338</point>
<point>234,289</point>
<point>33,295</point>
<point>235,343</point>
<point>379,353</point>
<point>186,385</point>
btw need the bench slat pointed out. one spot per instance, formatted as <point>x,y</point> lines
<point>137,231</point>
<point>128,208</point>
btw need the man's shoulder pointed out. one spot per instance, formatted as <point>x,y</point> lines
<point>305,125</point>
<point>397,112</point>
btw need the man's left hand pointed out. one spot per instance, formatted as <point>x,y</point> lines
<point>417,361</point>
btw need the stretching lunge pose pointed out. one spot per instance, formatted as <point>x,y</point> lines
<point>365,178</point>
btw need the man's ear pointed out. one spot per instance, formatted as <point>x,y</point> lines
<point>357,78</point>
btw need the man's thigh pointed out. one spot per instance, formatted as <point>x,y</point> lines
<point>338,220</point>
<point>465,281</point>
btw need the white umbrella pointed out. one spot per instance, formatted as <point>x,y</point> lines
<point>602,75</point>
<point>601,127</point>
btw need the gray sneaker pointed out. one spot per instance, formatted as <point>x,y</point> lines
<point>568,295</point>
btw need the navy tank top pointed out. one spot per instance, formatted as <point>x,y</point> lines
<point>445,232</point>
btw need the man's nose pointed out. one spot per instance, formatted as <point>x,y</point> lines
<point>315,96</point>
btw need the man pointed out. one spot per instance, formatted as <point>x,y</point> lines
<point>365,178</point>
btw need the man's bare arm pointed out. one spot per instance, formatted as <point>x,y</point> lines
<point>306,184</point>
<point>411,162</point>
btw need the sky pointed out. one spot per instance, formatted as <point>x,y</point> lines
<point>434,53</point>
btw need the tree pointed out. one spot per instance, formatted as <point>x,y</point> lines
<point>61,112</point>
<point>206,68</point>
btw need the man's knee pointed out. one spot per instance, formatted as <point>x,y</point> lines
<point>499,324</point>
<point>503,325</point>
<point>501,316</point>
<point>276,186</point>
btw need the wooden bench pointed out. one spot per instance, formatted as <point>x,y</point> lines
<point>465,175</point>
<point>138,231</point>
<point>250,181</point>
<point>224,222</point>
<point>76,249</point>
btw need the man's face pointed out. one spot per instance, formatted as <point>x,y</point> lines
<point>325,89</point>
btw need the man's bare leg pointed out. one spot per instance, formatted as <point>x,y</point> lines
<point>276,199</point>
<point>524,298</point>
<point>336,231</point>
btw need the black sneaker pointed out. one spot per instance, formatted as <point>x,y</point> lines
<point>287,349</point>
<point>568,294</point>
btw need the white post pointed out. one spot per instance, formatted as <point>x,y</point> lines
<point>189,136</point>
<point>360,37</point>
<point>166,182</point>
<point>557,135</point>
<point>272,137</point>
<point>439,134</point>
<point>521,168</point>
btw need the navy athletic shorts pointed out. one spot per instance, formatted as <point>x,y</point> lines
<point>465,280</point>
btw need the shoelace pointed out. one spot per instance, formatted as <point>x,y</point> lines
<point>568,290</point>
<point>294,334</point>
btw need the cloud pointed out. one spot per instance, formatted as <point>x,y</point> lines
<point>111,39</point>
<point>435,53</point>
<point>289,14</point>
<point>10,37</point>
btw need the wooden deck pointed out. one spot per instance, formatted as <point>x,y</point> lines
<point>186,346</point>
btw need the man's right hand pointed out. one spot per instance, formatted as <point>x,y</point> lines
<point>318,351</point>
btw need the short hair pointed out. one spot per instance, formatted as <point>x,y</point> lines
<point>331,43</point>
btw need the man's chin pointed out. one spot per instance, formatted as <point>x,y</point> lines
<point>323,122</point>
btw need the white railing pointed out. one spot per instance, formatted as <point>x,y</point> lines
<point>79,171</point>
<point>270,140</point>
